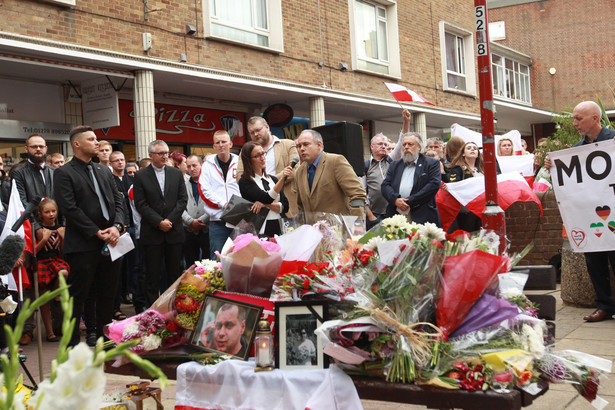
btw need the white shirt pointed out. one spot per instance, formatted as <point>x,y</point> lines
<point>159,172</point>
<point>270,156</point>
<point>407,180</point>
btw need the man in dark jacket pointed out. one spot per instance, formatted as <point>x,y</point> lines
<point>86,194</point>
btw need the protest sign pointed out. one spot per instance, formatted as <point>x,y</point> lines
<point>584,185</point>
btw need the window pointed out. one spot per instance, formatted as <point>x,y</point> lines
<point>253,22</point>
<point>375,45</point>
<point>511,79</point>
<point>457,53</point>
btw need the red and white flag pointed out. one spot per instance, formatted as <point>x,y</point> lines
<point>14,211</point>
<point>401,93</point>
<point>512,187</point>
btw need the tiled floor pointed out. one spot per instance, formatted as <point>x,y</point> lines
<point>571,333</point>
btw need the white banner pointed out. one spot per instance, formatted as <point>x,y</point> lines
<point>100,103</point>
<point>583,179</point>
<point>476,137</point>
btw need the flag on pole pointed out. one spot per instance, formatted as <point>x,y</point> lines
<point>401,93</point>
<point>14,211</point>
<point>512,187</point>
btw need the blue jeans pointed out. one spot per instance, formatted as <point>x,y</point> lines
<point>218,234</point>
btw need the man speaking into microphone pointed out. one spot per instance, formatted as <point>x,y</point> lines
<point>279,154</point>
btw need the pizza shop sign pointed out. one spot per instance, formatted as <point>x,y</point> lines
<point>176,123</point>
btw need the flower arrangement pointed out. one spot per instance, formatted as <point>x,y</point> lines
<point>77,377</point>
<point>210,271</point>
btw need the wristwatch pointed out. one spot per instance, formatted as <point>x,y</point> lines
<point>119,227</point>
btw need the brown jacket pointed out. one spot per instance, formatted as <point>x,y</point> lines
<point>335,186</point>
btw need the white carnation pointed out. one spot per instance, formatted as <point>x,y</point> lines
<point>510,293</point>
<point>151,342</point>
<point>373,243</point>
<point>131,329</point>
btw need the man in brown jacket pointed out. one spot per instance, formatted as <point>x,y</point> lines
<point>326,182</point>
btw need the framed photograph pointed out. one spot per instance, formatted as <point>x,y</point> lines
<point>298,347</point>
<point>226,326</point>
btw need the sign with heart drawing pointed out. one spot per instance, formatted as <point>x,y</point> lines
<point>583,179</point>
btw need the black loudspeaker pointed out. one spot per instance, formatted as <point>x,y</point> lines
<point>345,138</point>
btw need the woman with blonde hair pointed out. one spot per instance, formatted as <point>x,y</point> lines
<point>505,148</point>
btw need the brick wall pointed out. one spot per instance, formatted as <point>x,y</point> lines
<point>576,40</point>
<point>118,25</point>
<point>524,225</point>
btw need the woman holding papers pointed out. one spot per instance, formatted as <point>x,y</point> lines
<point>262,189</point>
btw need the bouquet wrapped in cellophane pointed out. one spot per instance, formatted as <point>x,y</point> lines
<point>396,276</point>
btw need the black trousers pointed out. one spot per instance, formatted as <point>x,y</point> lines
<point>92,270</point>
<point>196,247</point>
<point>598,269</point>
<point>156,257</point>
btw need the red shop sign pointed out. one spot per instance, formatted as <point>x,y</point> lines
<point>175,123</point>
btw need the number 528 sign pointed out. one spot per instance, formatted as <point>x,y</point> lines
<point>481,30</point>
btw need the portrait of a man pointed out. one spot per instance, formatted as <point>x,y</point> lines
<point>226,327</point>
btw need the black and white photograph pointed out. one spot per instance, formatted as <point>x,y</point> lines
<point>298,346</point>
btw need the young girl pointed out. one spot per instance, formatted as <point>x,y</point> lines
<point>48,252</point>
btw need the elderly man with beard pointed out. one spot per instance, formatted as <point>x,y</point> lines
<point>34,180</point>
<point>412,182</point>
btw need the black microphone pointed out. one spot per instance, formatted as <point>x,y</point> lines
<point>32,207</point>
<point>293,163</point>
<point>11,249</point>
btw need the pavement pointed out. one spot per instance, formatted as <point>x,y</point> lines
<point>572,332</point>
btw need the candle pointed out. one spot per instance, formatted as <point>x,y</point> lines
<point>264,357</point>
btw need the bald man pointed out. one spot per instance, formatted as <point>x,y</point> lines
<point>586,119</point>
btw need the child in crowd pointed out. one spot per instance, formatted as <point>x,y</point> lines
<point>50,263</point>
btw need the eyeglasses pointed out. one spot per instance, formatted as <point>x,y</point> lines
<point>256,131</point>
<point>36,146</point>
<point>162,154</point>
<point>262,154</point>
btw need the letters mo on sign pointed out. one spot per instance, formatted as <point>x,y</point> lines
<point>584,185</point>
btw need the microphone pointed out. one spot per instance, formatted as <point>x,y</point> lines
<point>10,250</point>
<point>32,206</point>
<point>293,163</point>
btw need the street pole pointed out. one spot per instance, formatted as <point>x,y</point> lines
<point>493,216</point>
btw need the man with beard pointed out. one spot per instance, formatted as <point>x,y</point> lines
<point>412,183</point>
<point>279,153</point>
<point>86,194</point>
<point>34,180</point>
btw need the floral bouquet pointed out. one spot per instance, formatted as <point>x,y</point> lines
<point>581,369</point>
<point>152,329</point>
<point>396,276</point>
<point>250,265</point>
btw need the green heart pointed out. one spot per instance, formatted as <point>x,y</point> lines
<point>598,225</point>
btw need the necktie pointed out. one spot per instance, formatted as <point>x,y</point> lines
<point>103,205</point>
<point>311,173</point>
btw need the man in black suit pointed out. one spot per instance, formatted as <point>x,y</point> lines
<point>160,197</point>
<point>412,183</point>
<point>86,194</point>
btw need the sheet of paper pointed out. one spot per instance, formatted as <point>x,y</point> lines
<point>124,245</point>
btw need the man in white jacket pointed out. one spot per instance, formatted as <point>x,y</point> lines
<point>218,184</point>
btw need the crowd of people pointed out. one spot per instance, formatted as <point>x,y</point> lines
<point>171,205</point>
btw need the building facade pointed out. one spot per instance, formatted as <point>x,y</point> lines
<point>178,70</point>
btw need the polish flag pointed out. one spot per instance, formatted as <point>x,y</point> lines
<point>512,187</point>
<point>401,93</point>
<point>542,185</point>
<point>19,279</point>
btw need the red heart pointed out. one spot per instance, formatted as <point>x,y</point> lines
<point>578,237</point>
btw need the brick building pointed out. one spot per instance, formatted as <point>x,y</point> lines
<point>184,68</point>
<point>570,46</point>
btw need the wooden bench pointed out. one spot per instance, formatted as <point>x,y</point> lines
<point>541,278</point>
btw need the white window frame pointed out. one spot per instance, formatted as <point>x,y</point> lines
<point>521,81</point>
<point>63,2</point>
<point>273,32</point>
<point>391,66</point>
<point>469,61</point>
